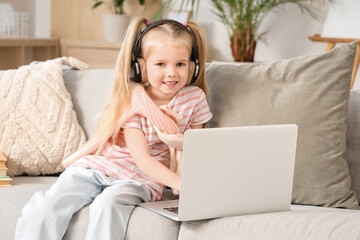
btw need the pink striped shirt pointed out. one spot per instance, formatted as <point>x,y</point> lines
<point>116,161</point>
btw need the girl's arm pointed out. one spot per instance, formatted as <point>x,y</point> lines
<point>136,142</point>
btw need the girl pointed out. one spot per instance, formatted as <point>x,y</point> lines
<point>159,91</point>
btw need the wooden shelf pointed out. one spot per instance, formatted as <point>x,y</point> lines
<point>97,54</point>
<point>15,52</point>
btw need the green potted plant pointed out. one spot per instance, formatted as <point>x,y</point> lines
<point>114,25</point>
<point>118,5</point>
<point>243,17</point>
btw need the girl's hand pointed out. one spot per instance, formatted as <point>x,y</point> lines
<point>197,126</point>
<point>176,191</point>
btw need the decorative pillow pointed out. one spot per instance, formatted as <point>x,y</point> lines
<point>353,140</point>
<point>310,91</point>
<point>38,126</point>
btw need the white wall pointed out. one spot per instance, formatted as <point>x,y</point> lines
<point>341,19</point>
<point>42,18</point>
<point>287,35</point>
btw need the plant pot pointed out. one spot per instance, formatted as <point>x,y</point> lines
<point>243,46</point>
<point>114,26</point>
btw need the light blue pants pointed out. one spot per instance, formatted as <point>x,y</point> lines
<point>48,213</point>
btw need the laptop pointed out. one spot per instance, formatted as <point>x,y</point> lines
<point>233,171</point>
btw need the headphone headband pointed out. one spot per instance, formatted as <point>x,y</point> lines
<point>136,50</point>
<point>149,26</point>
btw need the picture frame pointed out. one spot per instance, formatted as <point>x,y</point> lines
<point>180,16</point>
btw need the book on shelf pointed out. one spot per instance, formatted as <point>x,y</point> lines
<point>5,182</point>
<point>3,172</point>
<point>4,178</point>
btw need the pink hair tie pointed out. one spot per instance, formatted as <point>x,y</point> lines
<point>185,24</point>
<point>147,23</point>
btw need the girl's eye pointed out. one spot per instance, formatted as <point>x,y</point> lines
<point>160,64</point>
<point>181,64</point>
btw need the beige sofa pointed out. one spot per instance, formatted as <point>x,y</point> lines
<point>311,91</point>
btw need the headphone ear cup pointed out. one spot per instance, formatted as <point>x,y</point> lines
<point>136,69</point>
<point>196,71</point>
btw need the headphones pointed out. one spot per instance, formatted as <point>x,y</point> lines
<point>136,50</point>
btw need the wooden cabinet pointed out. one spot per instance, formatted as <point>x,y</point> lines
<point>97,54</point>
<point>15,52</point>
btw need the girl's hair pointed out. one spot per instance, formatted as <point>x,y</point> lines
<point>120,96</point>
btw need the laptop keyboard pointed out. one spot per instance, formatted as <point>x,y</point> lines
<point>172,209</point>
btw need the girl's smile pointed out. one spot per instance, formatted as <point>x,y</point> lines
<point>170,83</point>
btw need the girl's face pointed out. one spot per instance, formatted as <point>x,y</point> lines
<point>167,70</point>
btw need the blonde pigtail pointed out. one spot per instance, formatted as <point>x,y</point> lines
<point>201,44</point>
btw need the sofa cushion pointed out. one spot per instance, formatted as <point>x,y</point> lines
<point>14,198</point>
<point>38,126</point>
<point>142,223</point>
<point>145,224</point>
<point>353,140</point>
<point>301,222</point>
<point>310,91</point>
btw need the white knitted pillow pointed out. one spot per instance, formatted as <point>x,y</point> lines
<point>38,126</point>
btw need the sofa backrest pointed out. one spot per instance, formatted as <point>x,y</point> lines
<point>90,90</point>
